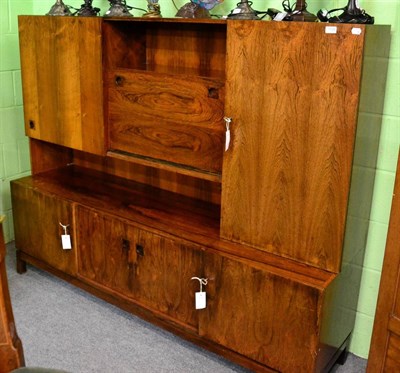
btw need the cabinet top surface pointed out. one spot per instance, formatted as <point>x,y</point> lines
<point>265,23</point>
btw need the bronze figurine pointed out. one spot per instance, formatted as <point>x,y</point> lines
<point>59,9</point>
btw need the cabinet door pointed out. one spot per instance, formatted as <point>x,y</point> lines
<point>62,80</point>
<point>152,270</point>
<point>37,218</point>
<point>270,319</point>
<point>293,105</point>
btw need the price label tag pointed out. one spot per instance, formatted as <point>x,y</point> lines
<point>227,139</point>
<point>66,242</point>
<point>330,29</point>
<point>280,16</point>
<point>200,300</point>
<point>228,132</point>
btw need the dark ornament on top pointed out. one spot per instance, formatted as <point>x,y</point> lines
<point>59,9</point>
<point>87,10</point>
<point>351,14</point>
<point>118,8</point>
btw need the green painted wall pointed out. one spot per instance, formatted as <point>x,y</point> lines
<point>14,154</point>
<point>14,157</point>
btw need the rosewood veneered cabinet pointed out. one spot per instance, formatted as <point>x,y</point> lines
<point>154,194</point>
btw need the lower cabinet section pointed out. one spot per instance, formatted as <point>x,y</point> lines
<point>263,315</point>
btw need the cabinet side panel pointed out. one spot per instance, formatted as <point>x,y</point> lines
<point>286,176</point>
<point>46,156</point>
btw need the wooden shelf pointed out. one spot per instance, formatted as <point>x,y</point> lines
<point>168,166</point>
<point>130,200</point>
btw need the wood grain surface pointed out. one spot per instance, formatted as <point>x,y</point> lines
<point>37,227</point>
<point>62,80</point>
<point>286,177</point>
<point>152,270</point>
<point>173,118</point>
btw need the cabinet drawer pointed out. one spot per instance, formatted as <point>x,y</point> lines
<point>168,118</point>
<point>152,270</point>
<point>37,218</point>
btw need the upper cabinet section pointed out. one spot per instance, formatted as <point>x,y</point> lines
<point>165,87</point>
<point>286,177</point>
<point>61,64</point>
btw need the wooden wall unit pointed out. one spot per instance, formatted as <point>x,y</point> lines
<point>159,201</point>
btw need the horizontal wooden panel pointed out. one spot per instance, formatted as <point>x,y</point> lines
<point>168,118</point>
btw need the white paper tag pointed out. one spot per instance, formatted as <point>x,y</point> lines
<point>66,241</point>
<point>200,300</point>
<point>330,29</point>
<point>280,16</point>
<point>356,31</point>
<point>227,139</point>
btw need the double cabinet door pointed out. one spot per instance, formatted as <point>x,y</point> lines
<point>151,270</point>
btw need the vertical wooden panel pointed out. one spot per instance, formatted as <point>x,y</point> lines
<point>293,101</point>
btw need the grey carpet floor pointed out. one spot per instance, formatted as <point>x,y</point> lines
<point>66,328</point>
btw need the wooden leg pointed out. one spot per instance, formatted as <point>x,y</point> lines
<point>21,264</point>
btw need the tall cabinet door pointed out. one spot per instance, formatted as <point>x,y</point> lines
<point>61,66</point>
<point>293,106</point>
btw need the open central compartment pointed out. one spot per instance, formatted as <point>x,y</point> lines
<point>188,48</point>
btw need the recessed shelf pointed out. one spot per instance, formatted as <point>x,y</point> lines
<point>178,47</point>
